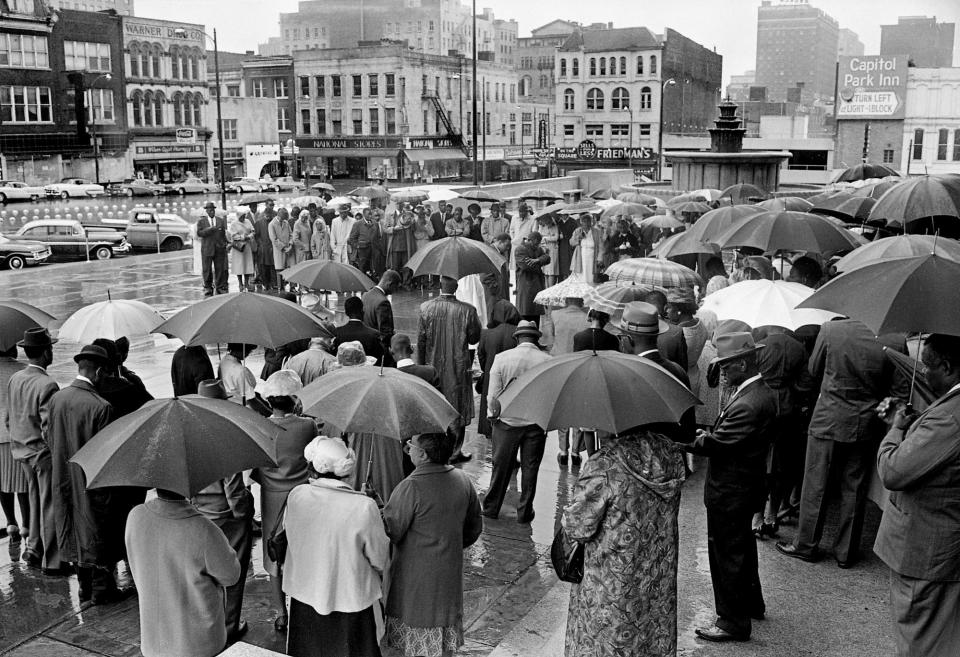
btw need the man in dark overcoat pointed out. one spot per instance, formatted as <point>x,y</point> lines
<point>530,279</point>
<point>212,231</point>
<point>378,312</point>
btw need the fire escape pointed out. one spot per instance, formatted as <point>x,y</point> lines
<point>452,132</point>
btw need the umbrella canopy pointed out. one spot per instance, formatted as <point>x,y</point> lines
<point>691,207</point>
<point>708,193</point>
<point>652,271</point>
<point>251,199</point>
<point>766,303</point>
<point>480,196</point>
<point>662,221</point>
<point>902,295</point>
<point>914,370</point>
<point>743,193</point>
<point>337,201</point>
<point>824,195</point>
<point>304,201</point>
<point>243,317</point>
<point>326,186</point>
<point>639,197</point>
<point>542,194</point>
<point>842,205</point>
<point>550,209</point>
<point>110,319</point>
<point>580,207</point>
<point>605,390</point>
<point>410,196</point>
<point>405,405</point>
<point>688,197</point>
<point>605,193</point>
<point>437,194</point>
<point>789,231</point>
<point>900,246</point>
<point>877,189</point>
<point>456,257</point>
<point>611,298</point>
<point>924,197</point>
<point>682,244</point>
<point>370,191</point>
<point>181,444</point>
<point>786,203</point>
<point>865,171</point>
<point>713,223</point>
<point>328,275</point>
<point>627,209</point>
<point>16,317</point>
<point>573,286</point>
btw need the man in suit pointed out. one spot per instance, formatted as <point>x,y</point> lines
<point>378,313</point>
<point>511,435</point>
<point>28,398</point>
<point>672,344</point>
<point>212,231</point>
<point>356,330</point>
<point>737,450</point>
<point>855,376</point>
<point>919,536</point>
<point>438,220</point>
<point>402,352</point>
<point>594,338</point>
<point>364,242</point>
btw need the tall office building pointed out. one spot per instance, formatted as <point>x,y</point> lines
<point>927,43</point>
<point>796,50</point>
<point>849,44</point>
<point>122,7</point>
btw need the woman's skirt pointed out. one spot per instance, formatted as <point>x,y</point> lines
<point>423,641</point>
<point>12,477</point>
<point>332,635</point>
<point>271,502</point>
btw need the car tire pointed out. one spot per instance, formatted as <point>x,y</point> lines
<point>35,198</point>
<point>171,244</point>
<point>16,262</point>
<point>128,192</point>
<point>3,199</point>
<point>181,191</point>
<point>102,253</point>
<point>64,195</point>
<point>275,189</point>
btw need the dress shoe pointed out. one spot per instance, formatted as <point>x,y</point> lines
<point>238,633</point>
<point>790,550</point>
<point>113,597</point>
<point>280,623</point>
<point>575,458</point>
<point>462,457</point>
<point>719,635</point>
<point>849,562</point>
<point>32,560</point>
<point>562,460</point>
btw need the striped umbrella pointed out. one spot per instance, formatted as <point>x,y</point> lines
<point>611,298</point>
<point>652,271</point>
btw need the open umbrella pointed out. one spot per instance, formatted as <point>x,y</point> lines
<point>243,317</point>
<point>935,197</point>
<point>541,194</point>
<point>409,196</point>
<point>606,390</point>
<point>640,198</point>
<point>789,231</point>
<point>436,194</point>
<point>337,201</point>
<point>899,246</point>
<point>251,199</point>
<point>625,209</point>
<point>708,193</point>
<point>877,189</point>
<point>611,298</point>
<point>579,207</point>
<point>682,244</point>
<point>181,444</point>
<point>571,287</point>
<point>384,401</point>
<point>479,196</point>
<point>688,197</point>
<point>304,201</point>
<point>865,171</point>
<point>455,257</point>
<point>786,203</point>
<point>825,194</point>
<point>16,317</point>
<point>370,191</point>
<point>559,206</point>
<point>743,193</point>
<point>845,206</point>
<point>662,221</point>
<point>766,303</point>
<point>652,271</point>
<point>713,223</point>
<point>604,193</point>
<point>326,186</point>
<point>110,319</point>
<point>691,207</point>
<point>328,275</point>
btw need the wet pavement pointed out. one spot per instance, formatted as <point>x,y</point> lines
<point>513,603</point>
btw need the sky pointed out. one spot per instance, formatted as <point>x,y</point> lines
<point>727,25</point>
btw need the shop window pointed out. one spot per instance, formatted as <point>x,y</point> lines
<point>594,100</point>
<point>25,105</point>
<point>943,136</point>
<point>25,51</point>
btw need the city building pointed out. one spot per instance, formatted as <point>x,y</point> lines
<point>739,87</point>
<point>611,98</point>
<point>796,49</point>
<point>167,98</point>
<point>272,78</point>
<point>536,58</point>
<point>46,131</point>
<point>122,7</point>
<point>927,43</point>
<point>849,43</point>
<point>930,140</point>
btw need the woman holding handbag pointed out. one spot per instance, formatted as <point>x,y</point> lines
<point>240,232</point>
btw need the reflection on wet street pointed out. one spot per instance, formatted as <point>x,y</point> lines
<point>514,604</point>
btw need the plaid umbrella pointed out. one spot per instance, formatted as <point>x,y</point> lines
<point>652,271</point>
<point>611,298</point>
<point>555,295</point>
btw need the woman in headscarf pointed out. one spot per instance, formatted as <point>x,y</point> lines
<point>431,517</point>
<point>240,233</point>
<point>302,236</point>
<point>320,240</point>
<point>280,391</point>
<point>336,554</point>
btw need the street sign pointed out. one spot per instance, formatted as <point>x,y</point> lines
<point>871,87</point>
<point>186,136</point>
<point>878,103</point>
<point>541,153</point>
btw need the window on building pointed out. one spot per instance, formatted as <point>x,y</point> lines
<point>233,90</point>
<point>99,104</point>
<point>594,99</point>
<point>78,55</point>
<point>513,93</point>
<point>390,120</point>
<point>653,64</point>
<point>943,136</point>
<point>321,87</point>
<point>568,100</point>
<point>575,67</point>
<point>593,66</point>
<point>620,99</point>
<point>373,84</point>
<point>280,88</point>
<point>228,128</point>
<point>321,121</point>
<point>619,129</point>
<point>336,90</point>
<point>613,66</point>
<point>563,67</point>
<point>304,86</point>
<point>389,84</point>
<point>639,64</point>
<point>527,129</point>
<point>357,85</point>
<point>283,119</point>
<point>356,117</point>
<point>305,127</point>
<point>374,121</point>
<point>603,66</point>
<point>568,129</point>
<point>646,98</point>
<point>593,130</point>
<point>623,66</point>
<point>259,89</point>
<point>25,105</point>
<point>888,156</point>
<point>917,144</point>
<point>956,145</point>
<point>486,124</point>
<point>644,129</point>
<point>25,51</point>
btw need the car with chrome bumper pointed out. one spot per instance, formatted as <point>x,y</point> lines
<point>17,254</point>
<point>71,239</point>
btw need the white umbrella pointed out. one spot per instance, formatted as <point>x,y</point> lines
<point>555,295</point>
<point>766,303</point>
<point>438,194</point>
<point>110,319</point>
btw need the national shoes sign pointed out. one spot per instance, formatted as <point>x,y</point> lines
<point>872,87</point>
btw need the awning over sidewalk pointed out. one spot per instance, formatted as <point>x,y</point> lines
<point>433,154</point>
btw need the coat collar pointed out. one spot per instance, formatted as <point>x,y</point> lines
<point>430,469</point>
<point>174,509</point>
<point>83,384</point>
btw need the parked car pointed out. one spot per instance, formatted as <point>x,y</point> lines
<point>284,184</point>
<point>17,254</point>
<point>74,188</point>
<point>69,238</point>
<point>136,187</point>
<point>146,224</point>
<point>14,190</point>
<point>245,185</point>
<point>192,185</point>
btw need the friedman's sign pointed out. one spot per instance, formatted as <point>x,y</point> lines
<point>587,150</point>
<point>872,87</point>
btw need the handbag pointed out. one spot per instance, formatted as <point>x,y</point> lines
<point>567,557</point>
<point>277,541</point>
<point>239,245</point>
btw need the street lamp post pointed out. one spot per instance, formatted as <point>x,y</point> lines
<point>663,86</point>
<point>93,126</point>
<point>474,82</point>
<point>629,137</point>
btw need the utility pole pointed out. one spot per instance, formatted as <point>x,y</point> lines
<point>474,82</point>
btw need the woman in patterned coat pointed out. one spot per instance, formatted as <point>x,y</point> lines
<point>624,511</point>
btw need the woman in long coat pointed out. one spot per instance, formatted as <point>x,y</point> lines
<point>320,240</point>
<point>497,337</point>
<point>530,280</point>
<point>587,243</point>
<point>281,238</point>
<point>624,511</point>
<point>242,235</point>
<point>302,236</point>
<point>430,518</point>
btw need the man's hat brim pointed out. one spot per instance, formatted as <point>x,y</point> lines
<point>739,354</point>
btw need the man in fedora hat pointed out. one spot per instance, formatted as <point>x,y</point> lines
<point>85,524</point>
<point>212,231</point>
<point>737,448</point>
<point>641,327</point>
<point>28,399</point>
<point>511,435</point>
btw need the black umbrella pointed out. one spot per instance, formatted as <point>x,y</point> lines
<point>542,194</point>
<point>743,193</point>
<point>850,208</point>
<point>16,317</point>
<point>456,257</point>
<point>866,171</point>
<point>480,196</point>
<point>932,201</point>
<point>772,232</point>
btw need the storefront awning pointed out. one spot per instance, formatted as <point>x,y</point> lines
<point>528,163</point>
<point>433,154</point>
<point>513,163</point>
<point>348,152</point>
